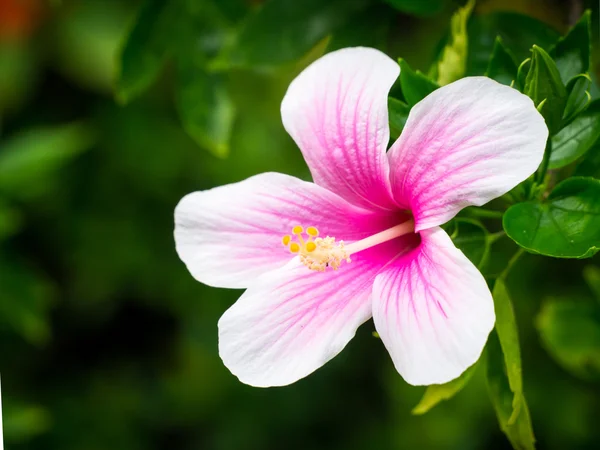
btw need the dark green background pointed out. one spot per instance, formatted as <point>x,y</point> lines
<point>106,341</point>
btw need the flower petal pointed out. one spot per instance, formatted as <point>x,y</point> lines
<point>336,111</point>
<point>229,235</point>
<point>465,144</point>
<point>433,311</point>
<point>293,321</point>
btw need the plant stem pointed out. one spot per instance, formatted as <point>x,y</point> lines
<point>512,262</point>
<point>541,174</point>
<point>495,236</point>
<point>485,213</point>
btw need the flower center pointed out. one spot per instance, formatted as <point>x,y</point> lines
<point>320,253</point>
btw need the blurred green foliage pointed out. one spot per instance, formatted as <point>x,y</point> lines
<point>111,111</point>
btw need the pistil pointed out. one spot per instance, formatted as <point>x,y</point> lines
<point>381,237</point>
<point>326,252</point>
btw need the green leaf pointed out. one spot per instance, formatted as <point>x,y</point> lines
<point>415,84</point>
<point>85,41</point>
<point>284,30</point>
<point>578,96</point>
<point>26,158</point>
<point>518,32</point>
<point>590,166</point>
<point>398,114</point>
<point>574,140</point>
<point>506,328</point>
<point>505,378</point>
<point>205,107</point>
<point>452,64</point>
<point>517,428</point>
<point>502,66</point>
<point>144,51</point>
<point>566,225</point>
<point>572,53</point>
<point>418,7</point>
<point>437,393</point>
<point>186,29</point>
<point>192,32</point>
<point>201,29</point>
<point>570,332</point>
<point>543,83</point>
<point>471,237</point>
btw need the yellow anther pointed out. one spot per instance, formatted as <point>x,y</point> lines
<point>316,253</point>
<point>312,231</point>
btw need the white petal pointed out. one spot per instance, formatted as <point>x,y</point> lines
<point>336,111</point>
<point>433,311</point>
<point>465,144</point>
<point>293,321</point>
<point>229,235</point>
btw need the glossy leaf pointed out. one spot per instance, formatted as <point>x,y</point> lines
<point>284,30</point>
<point>572,53</point>
<point>398,114</point>
<point>574,140</point>
<point>437,393</point>
<point>207,112</point>
<point>145,50</point>
<point>570,332</point>
<point>543,84</point>
<point>566,225</point>
<point>415,84</point>
<point>502,66</point>
<point>452,63</point>
<point>517,428</point>
<point>518,32</point>
<point>418,7</point>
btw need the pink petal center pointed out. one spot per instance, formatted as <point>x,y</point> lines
<point>330,253</point>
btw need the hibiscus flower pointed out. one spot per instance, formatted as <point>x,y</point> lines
<point>364,240</point>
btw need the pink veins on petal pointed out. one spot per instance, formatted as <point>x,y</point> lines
<point>364,240</point>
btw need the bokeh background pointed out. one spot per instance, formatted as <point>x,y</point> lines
<point>107,342</point>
